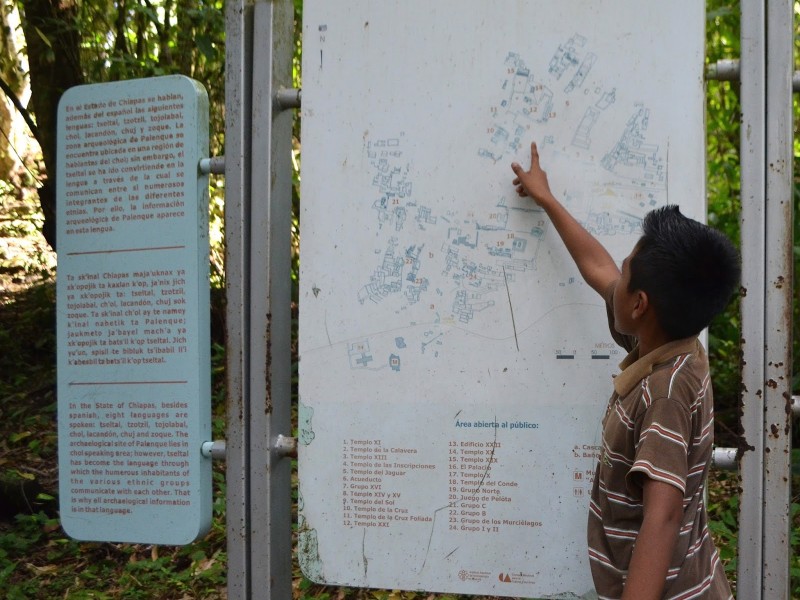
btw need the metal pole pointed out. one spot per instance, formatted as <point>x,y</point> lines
<point>238,94</point>
<point>753,231</point>
<point>257,225</point>
<point>778,293</point>
<point>270,303</point>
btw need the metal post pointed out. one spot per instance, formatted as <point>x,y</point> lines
<point>753,231</point>
<point>778,294</point>
<point>257,223</point>
<point>270,303</point>
<point>238,94</point>
<point>767,404</point>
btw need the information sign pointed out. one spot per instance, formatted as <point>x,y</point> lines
<point>454,366</point>
<point>133,311</point>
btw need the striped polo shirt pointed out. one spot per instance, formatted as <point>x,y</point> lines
<point>659,424</point>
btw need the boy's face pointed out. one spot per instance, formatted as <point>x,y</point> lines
<point>625,301</point>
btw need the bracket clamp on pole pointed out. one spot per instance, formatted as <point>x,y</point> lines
<point>215,165</point>
<point>286,446</point>
<point>214,450</point>
<point>724,70</point>
<point>729,69</point>
<point>287,98</point>
<point>726,458</point>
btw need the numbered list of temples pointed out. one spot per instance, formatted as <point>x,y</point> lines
<point>482,488</point>
<point>379,479</point>
<point>375,477</point>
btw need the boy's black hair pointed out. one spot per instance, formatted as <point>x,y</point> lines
<point>688,271</point>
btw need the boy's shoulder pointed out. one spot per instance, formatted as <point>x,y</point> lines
<point>672,370</point>
<point>683,376</point>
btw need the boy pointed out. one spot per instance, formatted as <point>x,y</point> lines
<point>647,532</point>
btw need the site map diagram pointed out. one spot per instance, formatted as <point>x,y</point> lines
<point>461,263</point>
<point>454,366</point>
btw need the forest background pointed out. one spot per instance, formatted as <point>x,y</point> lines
<point>49,46</point>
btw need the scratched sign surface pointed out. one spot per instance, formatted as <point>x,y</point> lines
<point>454,366</point>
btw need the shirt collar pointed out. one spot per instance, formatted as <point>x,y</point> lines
<point>634,369</point>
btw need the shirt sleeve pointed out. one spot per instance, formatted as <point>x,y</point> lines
<point>663,434</point>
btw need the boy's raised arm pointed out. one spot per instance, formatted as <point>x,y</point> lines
<point>594,263</point>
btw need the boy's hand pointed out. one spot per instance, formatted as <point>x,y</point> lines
<point>594,262</point>
<point>533,182</point>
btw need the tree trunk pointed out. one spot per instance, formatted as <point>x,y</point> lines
<point>10,72</point>
<point>53,42</point>
<point>185,36</point>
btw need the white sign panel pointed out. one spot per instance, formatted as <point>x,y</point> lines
<point>454,366</point>
<point>133,321</point>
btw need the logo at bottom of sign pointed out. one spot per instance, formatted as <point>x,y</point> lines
<point>465,575</point>
<point>504,577</point>
<point>515,577</point>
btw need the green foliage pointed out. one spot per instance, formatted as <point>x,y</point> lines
<point>163,39</point>
<point>296,82</point>
<point>24,257</point>
<point>128,39</point>
<point>38,561</point>
<point>723,512</point>
<point>724,204</point>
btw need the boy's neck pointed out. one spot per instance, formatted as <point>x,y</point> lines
<point>650,338</point>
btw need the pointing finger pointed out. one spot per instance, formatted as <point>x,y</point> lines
<point>534,154</point>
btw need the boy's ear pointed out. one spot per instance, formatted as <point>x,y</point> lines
<point>641,304</point>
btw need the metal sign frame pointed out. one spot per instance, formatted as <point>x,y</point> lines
<point>258,277</point>
<point>766,231</point>
<point>753,177</point>
<point>258,133</point>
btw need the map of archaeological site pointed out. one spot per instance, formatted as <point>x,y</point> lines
<point>453,363</point>
<point>462,261</point>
